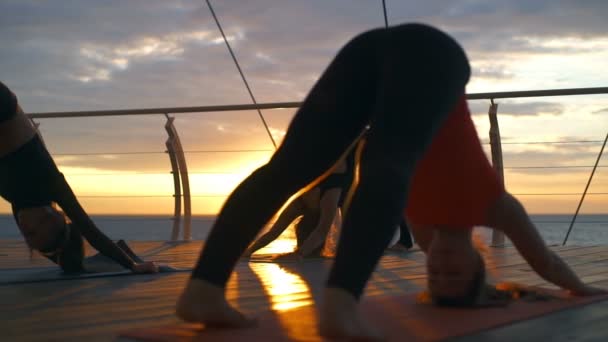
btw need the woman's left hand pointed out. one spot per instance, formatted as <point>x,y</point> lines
<point>145,267</point>
<point>587,290</point>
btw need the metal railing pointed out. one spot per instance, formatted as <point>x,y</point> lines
<point>178,160</point>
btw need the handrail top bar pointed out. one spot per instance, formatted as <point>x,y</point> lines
<point>538,93</point>
<point>279,105</point>
<point>168,110</point>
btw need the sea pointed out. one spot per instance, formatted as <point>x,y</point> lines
<point>587,229</point>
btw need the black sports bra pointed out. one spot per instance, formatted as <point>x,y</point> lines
<point>28,176</point>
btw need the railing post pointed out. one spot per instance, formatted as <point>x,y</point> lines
<point>498,238</point>
<point>182,168</point>
<point>177,189</point>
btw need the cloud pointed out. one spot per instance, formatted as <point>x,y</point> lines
<point>83,48</point>
<point>508,107</point>
<point>492,71</point>
<point>558,158</point>
<point>104,59</point>
<point>479,21</point>
<point>530,108</point>
<point>601,111</point>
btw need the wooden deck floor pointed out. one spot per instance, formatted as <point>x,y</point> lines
<point>95,309</point>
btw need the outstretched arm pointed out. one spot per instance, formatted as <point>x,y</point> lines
<point>329,208</point>
<point>510,216</point>
<point>290,213</point>
<point>70,205</point>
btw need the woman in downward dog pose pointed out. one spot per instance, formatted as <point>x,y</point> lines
<point>400,81</point>
<point>405,242</point>
<point>319,208</point>
<point>455,188</point>
<point>31,182</point>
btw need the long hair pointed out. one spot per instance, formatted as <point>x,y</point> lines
<point>476,287</point>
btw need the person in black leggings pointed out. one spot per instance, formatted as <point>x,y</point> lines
<point>31,182</point>
<point>405,238</point>
<point>400,81</point>
<point>318,208</point>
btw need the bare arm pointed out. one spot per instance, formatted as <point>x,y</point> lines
<point>510,216</point>
<point>68,202</point>
<point>329,208</point>
<point>287,216</point>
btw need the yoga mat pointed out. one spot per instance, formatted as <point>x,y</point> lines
<point>402,318</point>
<point>95,266</point>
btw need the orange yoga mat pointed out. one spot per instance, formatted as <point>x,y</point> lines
<point>400,317</point>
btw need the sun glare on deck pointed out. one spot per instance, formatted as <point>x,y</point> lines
<point>286,290</point>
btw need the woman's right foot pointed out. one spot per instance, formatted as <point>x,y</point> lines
<point>340,319</point>
<point>203,302</point>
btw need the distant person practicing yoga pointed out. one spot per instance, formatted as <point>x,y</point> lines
<point>405,242</point>
<point>31,182</point>
<point>400,81</point>
<point>455,188</point>
<point>319,208</point>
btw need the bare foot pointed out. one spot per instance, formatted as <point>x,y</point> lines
<point>203,302</point>
<point>340,319</point>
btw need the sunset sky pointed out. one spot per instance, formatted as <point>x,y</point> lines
<point>91,55</point>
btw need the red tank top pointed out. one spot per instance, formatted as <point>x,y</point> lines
<point>454,183</point>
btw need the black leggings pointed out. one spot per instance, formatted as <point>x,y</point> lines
<point>8,103</point>
<point>404,235</point>
<point>402,82</point>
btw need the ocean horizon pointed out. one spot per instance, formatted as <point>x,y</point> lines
<point>589,229</point>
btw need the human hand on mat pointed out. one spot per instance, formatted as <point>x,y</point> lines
<point>587,290</point>
<point>145,267</point>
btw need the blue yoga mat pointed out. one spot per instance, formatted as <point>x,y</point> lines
<point>95,266</point>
